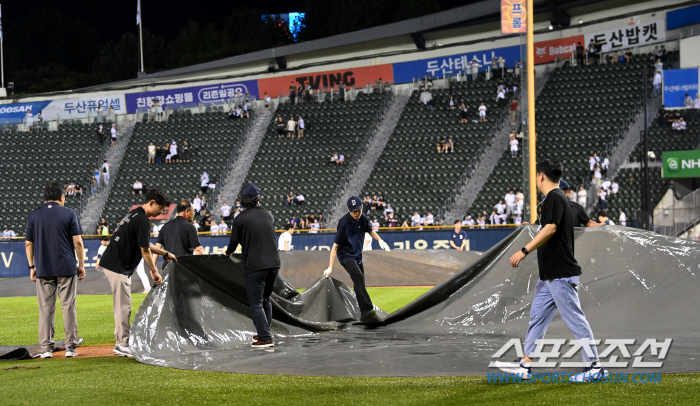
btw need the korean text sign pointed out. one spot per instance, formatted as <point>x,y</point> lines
<point>627,36</point>
<point>513,16</point>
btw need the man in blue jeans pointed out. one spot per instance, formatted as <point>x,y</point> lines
<point>559,278</point>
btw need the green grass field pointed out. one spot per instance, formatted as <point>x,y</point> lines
<point>119,381</point>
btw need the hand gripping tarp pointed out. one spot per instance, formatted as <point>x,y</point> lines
<point>636,285</point>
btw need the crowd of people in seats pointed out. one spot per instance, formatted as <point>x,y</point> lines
<point>73,189</point>
<point>171,152</point>
<point>677,120</point>
<point>238,112</point>
<point>338,159</point>
<point>291,128</point>
<point>312,222</point>
<point>294,199</point>
<point>446,146</point>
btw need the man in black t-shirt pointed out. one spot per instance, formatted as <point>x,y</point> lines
<point>178,235</point>
<point>129,244</point>
<point>254,229</point>
<point>348,244</point>
<point>578,213</point>
<point>580,53</point>
<point>557,287</point>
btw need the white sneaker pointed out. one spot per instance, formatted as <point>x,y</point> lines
<point>123,351</point>
<point>47,354</point>
<point>71,353</point>
<point>516,367</point>
<point>594,373</point>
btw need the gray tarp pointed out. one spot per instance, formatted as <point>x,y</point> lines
<point>636,285</point>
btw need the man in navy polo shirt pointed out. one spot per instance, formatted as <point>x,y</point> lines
<point>458,238</point>
<point>52,242</point>
<point>349,240</point>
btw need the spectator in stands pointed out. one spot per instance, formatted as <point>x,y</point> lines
<point>688,101</point>
<point>519,201</point>
<point>231,113</point>
<point>622,219</point>
<point>173,152</point>
<point>513,146</point>
<point>341,159</point>
<point>510,203</point>
<point>186,150</point>
<point>659,66</point>
<point>612,57</point>
<point>78,189</point>
<point>334,160</point>
<point>415,219</point>
<point>696,102</point>
<point>300,130</point>
<point>603,218</point>
<point>493,218</point>
<point>463,113</point>
<point>580,54</point>
<point>292,93</point>
<point>105,171</point>
<point>291,127</point>
<point>101,132</point>
<point>604,166</point>
<point>597,176</point>
<point>656,81</point>
<point>474,66</point>
<point>514,108</point>
<point>614,187</point>
<point>500,207</point>
<point>279,123</point>
<point>501,96</point>
<point>481,221</point>
<point>204,183</point>
<point>427,98</point>
<point>591,52</point>
<point>391,220</point>
<point>206,221</point>
<point>290,199</point>
<point>166,151</point>
<point>205,205</point>
<point>160,157</point>
<point>114,135</point>
<point>214,228</point>
<point>518,220</point>
<point>197,205</point>
<point>429,219</point>
<point>429,82</point>
<point>225,211</point>
<point>293,222</point>
<point>468,221</point>
<point>223,227</point>
<point>137,188</point>
<point>628,56</point>
<point>502,65</point>
<point>482,113</point>
<point>441,147</point>
<point>582,197</point>
<point>375,224</point>
<point>602,194</point>
<point>300,199</point>
<point>151,153</point>
<point>157,109</point>
<point>267,101</point>
<point>196,225</point>
<point>388,209</point>
<point>449,145</point>
<point>7,233</point>
<point>70,190</point>
<point>451,103</point>
<point>314,227</point>
<point>681,124</point>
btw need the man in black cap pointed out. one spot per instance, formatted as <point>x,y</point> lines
<point>578,213</point>
<point>349,240</point>
<point>254,229</point>
<point>179,235</point>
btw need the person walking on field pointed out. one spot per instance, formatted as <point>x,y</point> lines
<point>557,288</point>
<point>129,244</point>
<point>254,229</point>
<point>349,240</point>
<point>52,243</point>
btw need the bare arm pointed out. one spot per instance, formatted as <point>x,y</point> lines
<point>545,234</point>
<point>592,223</point>
<point>464,245</point>
<point>80,251</point>
<point>375,235</point>
<point>452,244</point>
<point>199,250</point>
<point>29,247</point>
<point>334,252</point>
<point>148,259</point>
<point>155,256</point>
<point>367,242</point>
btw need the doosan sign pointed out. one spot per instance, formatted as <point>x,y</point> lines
<point>681,164</point>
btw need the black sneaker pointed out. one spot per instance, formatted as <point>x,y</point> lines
<point>263,344</point>
<point>594,373</point>
<point>369,315</point>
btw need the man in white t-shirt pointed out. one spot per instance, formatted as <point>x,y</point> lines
<point>606,185</point>
<point>301,127</point>
<point>415,219</point>
<point>429,219</point>
<point>197,204</point>
<point>284,243</point>
<point>591,164</point>
<point>375,225</point>
<point>367,245</point>
<point>614,187</point>
<point>510,203</point>
<point>622,219</point>
<point>518,220</point>
<point>314,227</point>
<point>602,195</point>
<point>104,242</point>
<point>500,207</point>
<point>513,147</point>
<point>300,198</point>
<point>482,113</point>
<point>214,228</point>
<point>114,135</point>
<point>137,188</point>
<point>582,197</point>
<point>519,201</point>
<point>223,227</point>
<point>604,166</point>
<point>105,171</point>
<point>225,211</point>
<point>656,81</point>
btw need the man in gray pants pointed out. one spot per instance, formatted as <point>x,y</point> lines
<point>52,242</point>
<point>129,244</point>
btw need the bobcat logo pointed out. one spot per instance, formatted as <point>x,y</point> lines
<point>541,51</point>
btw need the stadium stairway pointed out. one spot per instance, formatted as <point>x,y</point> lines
<point>233,179</point>
<point>376,145</point>
<point>475,183</point>
<point>90,215</point>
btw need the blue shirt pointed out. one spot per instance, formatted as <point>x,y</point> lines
<point>51,228</point>
<point>350,238</point>
<point>458,238</point>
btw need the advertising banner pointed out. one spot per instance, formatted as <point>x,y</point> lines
<point>627,36</point>
<point>681,164</point>
<point>82,107</point>
<point>355,77</point>
<point>214,93</point>
<point>683,17</point>
<point>548,51</point>
<point>406,71</point>
<point>677,83</point>
<point>14,113</point>
<point>14,257</point>
<point>513,16</point>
